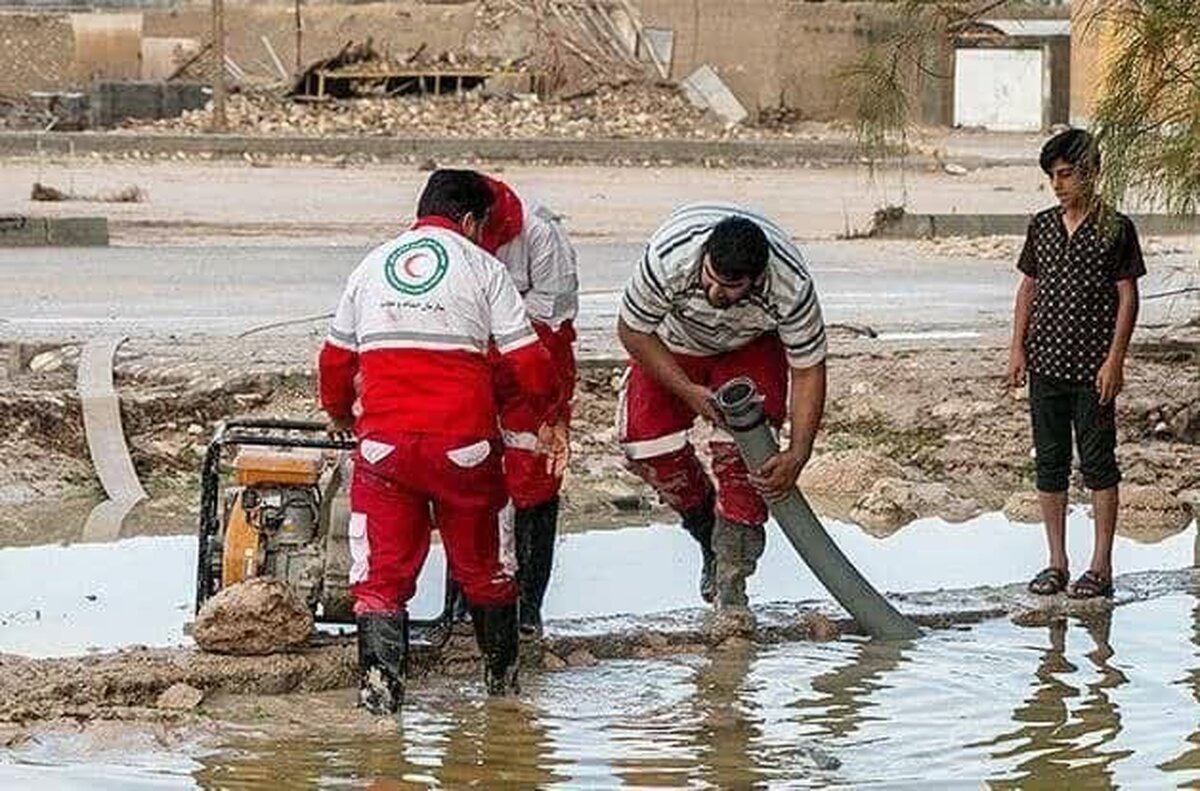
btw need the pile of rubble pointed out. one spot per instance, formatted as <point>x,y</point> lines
<point>631,111</point>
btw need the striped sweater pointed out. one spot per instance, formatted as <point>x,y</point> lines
<point>665,296</point>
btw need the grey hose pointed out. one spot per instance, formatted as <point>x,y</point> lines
<point>741,408</point>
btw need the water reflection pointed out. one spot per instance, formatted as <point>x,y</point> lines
<point>1189,759</point>
<point>1065,724</point>
<point>845,691</point>
<point>730,719</point>
<point>447,741</point>
<point>497,744</point>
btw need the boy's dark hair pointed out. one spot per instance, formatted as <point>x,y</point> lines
<point>453,194</point>
<point>1073,146</point>
<point>737,248</point>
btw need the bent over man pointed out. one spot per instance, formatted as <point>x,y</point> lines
<point>529,240</point>
<point>406,363</point>
<point>721,292</point>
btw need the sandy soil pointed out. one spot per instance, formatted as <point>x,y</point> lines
<point>940,416</point>
<point>269,202</point>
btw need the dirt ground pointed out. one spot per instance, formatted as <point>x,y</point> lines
<point>911,429</point>
<point>937,418</point>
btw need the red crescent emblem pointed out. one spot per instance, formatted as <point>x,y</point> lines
<point>408,266</point>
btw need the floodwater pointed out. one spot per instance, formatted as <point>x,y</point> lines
<point>1113,701</point>
<point>1107,703</point>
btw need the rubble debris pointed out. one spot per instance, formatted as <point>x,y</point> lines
<point>358,69</point>
<point>256,617</point>
<point>127,194</point>
<point>42,192</point>
<point>631,111</point>
<point>704,89</point>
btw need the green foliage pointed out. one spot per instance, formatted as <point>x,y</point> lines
<point>1147,119</point>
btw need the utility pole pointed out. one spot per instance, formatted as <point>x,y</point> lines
<point>218,49</point>
<point>299,40</point>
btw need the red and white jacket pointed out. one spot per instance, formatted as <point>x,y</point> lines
<point>530,241</point>
<point>407,348</point>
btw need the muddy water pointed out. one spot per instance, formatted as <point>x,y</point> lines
<point>1111,702</point>
<point>76,598</point>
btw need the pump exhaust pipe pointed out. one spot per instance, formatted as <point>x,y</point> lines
<point>740,406</point>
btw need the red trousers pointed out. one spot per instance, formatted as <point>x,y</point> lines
<point>524,470</point>
<point>653,429</point>
<point>405,483</point>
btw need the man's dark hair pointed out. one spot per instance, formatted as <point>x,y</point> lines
<point>1075,147</point>
<point>737,248</point>
<point>453,194</point>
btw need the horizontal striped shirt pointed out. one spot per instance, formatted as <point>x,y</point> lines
<point>665,295</point>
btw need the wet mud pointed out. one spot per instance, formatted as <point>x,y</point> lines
<point>130,684</point>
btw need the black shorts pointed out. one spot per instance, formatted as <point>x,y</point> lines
<point>1055,407</point>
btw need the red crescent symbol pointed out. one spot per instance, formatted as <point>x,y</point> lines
<point>408,266</point>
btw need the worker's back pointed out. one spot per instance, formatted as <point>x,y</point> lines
<point>417,315</point>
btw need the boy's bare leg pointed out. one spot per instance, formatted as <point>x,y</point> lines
<point>1054,514</point>
<point>1104,514</point>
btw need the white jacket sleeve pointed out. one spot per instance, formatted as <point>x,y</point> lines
<point>553,295</point>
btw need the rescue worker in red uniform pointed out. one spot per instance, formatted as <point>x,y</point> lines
<point>406,364</point>
<point>720,292</point>
<point>530,241</point>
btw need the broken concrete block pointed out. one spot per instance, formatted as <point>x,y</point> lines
<point>705,90</point>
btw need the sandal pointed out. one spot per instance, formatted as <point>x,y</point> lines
<point>1048,582</point>
<point>1090,585</point>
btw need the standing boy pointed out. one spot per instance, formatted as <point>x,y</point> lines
<point>1074,314</point>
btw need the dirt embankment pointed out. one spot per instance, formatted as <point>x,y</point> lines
<point>907,434</point>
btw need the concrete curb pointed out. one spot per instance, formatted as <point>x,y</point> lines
<point>18,230</point>
<point>931,226</point>
<point>665,152</point>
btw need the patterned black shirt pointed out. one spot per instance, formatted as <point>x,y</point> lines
<point>1074,312</point>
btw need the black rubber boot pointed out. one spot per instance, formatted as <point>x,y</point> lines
<point>382,655</point>
<point>699,523</point>
<point>496,633</point>
<point>536,529</point>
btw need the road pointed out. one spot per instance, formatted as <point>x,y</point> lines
<point>57,293</point>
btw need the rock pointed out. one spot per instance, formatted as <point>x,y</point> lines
<point>581,657</point>
<point>820,628</point>
<point>47,362</point>
<point>1150,513</point>
<point>847,472</point>
<point>552,661</point>
<point>180,697</point>
<point>255,617</point>
<point>887,507</point>
<point>1023,507</point>
<point>892,503</point>
<point>195,429</point>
